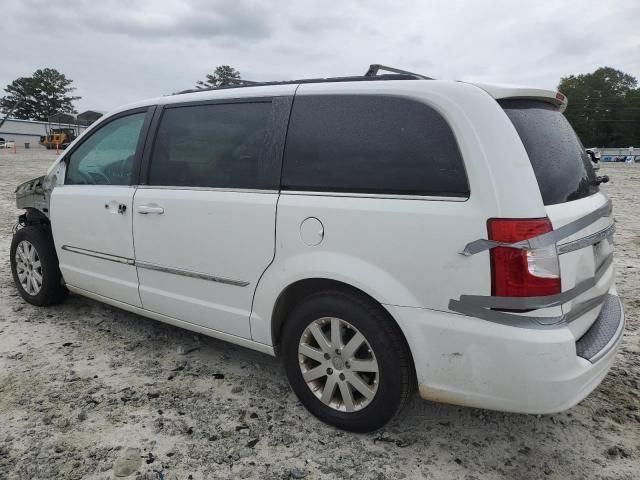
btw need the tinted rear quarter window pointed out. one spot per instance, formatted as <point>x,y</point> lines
<point>561,165</point>
<point>371,144</point>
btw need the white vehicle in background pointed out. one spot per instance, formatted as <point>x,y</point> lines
<point>595,156</point>
<point>379,234</point>
<point>8,144</point>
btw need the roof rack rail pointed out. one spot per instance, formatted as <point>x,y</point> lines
<point>372,74</point>
<point>233,82</point>
<point>240,82</point>
<point>374,68</point>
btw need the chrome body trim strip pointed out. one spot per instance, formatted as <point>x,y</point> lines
<point>100,255</point>
<point>153,266</point>
<point>92,185</point>
<point>586,241</point>
<point>529,303</point>
<point>374,195</point>
<point>188,273</point>
<point>308,192</point>
<point>208,189</point>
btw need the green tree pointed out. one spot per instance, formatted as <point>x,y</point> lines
<point>630,124</point>
<point>222,75</point>
<point>603,107</point>
<point>39,96</point>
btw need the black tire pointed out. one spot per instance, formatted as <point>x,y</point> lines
<point>52,290</point>
<point>396,375</point>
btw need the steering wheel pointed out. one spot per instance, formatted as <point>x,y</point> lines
<point>91,180</point>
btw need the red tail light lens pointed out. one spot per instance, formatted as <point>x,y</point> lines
<point>522,273</point>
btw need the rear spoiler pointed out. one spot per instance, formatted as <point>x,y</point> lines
<point>501,92</point>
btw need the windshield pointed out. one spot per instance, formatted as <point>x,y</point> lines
<point>562,167</point>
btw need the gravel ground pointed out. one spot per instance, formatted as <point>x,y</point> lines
<point>90,391</point>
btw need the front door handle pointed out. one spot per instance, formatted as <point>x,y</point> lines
<point>147,209</point>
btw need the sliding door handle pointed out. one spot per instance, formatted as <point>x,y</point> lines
<point>147,209</point>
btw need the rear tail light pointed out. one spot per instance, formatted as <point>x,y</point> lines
<point>522,273</point>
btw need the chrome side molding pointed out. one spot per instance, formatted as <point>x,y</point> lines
<point>586,241</point>
<point>103,256</point>
<point>188,273</point>
<point>153,266</point>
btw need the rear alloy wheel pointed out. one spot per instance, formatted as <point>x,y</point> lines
<point>347,360</point>
<point>338,365</point>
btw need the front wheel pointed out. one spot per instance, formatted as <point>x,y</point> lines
<point>347,361</point>
<point>34,265</point>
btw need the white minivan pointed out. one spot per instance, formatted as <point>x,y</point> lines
<point>379,233</point>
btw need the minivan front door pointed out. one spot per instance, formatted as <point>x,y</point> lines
<point>91,213</point>
<point>204,224</point>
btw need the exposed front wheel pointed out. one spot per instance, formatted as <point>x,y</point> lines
<point>34,265</point>
<point>347,361</point>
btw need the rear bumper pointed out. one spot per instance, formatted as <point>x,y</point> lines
<point>478,363</point>
<point>605,333</point>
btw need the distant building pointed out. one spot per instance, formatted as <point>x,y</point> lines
<point>30,131</point>
<point>23,131</point>
<point>88,117</point>
<point>620,151</point>
<point>622,154</point>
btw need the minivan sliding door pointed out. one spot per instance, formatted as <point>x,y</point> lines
<point>204,221</point>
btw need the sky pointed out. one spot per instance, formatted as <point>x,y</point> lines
<point>120,51</point>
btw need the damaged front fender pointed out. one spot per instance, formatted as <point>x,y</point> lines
<point>31,194</point>
<point>36,193</point>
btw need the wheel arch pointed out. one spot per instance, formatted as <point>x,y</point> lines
<point>295,292</point>
<point>33,216</point>
<point>52,289</point>
<point>308,271</point>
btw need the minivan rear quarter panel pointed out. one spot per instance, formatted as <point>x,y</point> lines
<point>405,250</point>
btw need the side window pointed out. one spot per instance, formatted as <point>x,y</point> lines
<point>106,157</point>
<point>371,144</point>
<point>220,145</point>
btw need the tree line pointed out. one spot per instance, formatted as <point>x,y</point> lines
<point>604,106</point>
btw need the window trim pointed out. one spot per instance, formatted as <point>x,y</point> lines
<point>388,196</point>
<point>276,130</point>
<point>142,139</point>
<point>206,189</point>
<point>381,193</point>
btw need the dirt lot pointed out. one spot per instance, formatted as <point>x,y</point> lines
<point>82,383</point>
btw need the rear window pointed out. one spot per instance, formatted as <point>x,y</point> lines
<point>562,167</point>
<point>371,144</point>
